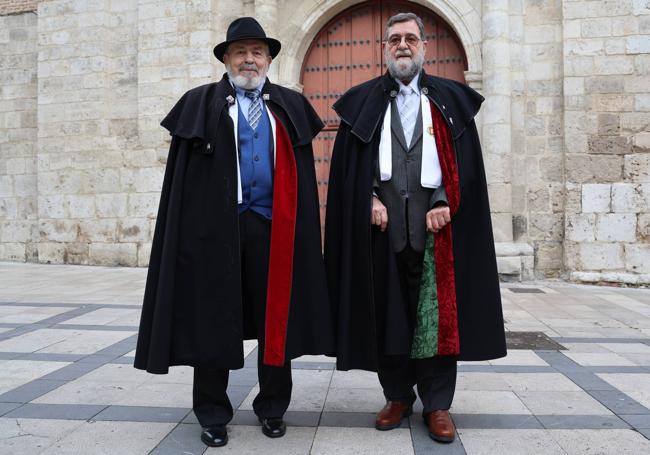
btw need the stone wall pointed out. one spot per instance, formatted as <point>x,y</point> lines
<point>565,126</point>
<point>18,69</point>
<point>607,123</point>
<point>17,6</point>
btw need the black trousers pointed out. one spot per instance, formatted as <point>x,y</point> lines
<point>435,377</point>
<point>210,400</point>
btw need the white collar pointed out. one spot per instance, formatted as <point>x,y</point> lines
<point>413,84</point>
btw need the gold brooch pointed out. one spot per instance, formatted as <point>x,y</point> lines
<point>430,129</point>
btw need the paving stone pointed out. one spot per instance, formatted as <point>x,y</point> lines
<point>361,441</point>
<point>352,419</point>
<point>56,411</point>
<point>614,442</point>
<point>618,402</point>
<point>354,400</point>
<point>183,439</point>
<point>496,421</point>
<point>487,402</point>
<point>424,445</point>
<point>27,436</point>
<point>30,391</point>
<point>538,382</point>
<point>581,421</point>
<point>562,403</point>
<point>639,421</point>
<point>142,414</point>
<point>6,407</point>
<point>508,442</point>
<point>125,438</point>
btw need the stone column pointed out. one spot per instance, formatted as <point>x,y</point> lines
<point>266,12</point>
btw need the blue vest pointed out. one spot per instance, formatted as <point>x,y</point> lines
<point>256,165</point>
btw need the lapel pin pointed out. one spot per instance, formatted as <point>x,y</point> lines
<point>393,94</point>
<point>266,97</point>
<point>451,120</point>
<point>425,90</point>
<point>430,130</point>
<point>230,99</point>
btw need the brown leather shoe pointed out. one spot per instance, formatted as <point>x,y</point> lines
<point>392,414</point>
<point>441,427</point>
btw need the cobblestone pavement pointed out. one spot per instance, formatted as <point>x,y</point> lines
<point>576,379</point>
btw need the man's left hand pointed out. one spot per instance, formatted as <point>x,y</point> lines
<point>437,218</point>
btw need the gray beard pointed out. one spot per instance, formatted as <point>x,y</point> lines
<point>402,71</point>
<point>246,83</point>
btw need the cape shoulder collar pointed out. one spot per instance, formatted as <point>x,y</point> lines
<point>363,107</point>
<point>204,105</point>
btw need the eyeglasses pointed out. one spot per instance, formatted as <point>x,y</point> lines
<point>395,40</point>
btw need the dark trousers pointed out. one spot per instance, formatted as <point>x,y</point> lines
<point>210,400</point>
<point>435,376</point>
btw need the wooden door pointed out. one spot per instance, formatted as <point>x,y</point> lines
<point>348,51</point>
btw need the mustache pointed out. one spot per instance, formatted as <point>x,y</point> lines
<point>403,54</point>
<point>248,67</point>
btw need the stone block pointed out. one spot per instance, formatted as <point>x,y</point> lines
<point>98,230</point>
<point>626,198</point>
<point>52,207</point>
<point>502,227</point>
<point>6,186</point>
<point>638,44</point>
<point>642,102</point>
<point>624,26</point>
<point>509,265</point>
<point>609,145</point>
<point>641,142</point>
<point>143,205</point>
<point>549,256</point>
<point>616,227</point>
<point>58,230</point>
<point>144,253</point>
<point>81,206</point>
<point>500,197</point>
<point>546,226</point>
<point>601,256</point>
<point>615,46</point>
<point>51,253</point>
<point>594,168</point>
<point>643,228</point>
<point>15,231</point>
<point>613,64</point>
<point>637,167</point>
<point>551,168</point>
<point>539,199</point>
<point>111,205</point>
<point>637,257</point>
<point>133,230</point>
<point>612,102</point>
<point>13,252</point>
<point>609,124</point>
<point>114,254</point>
<point>580,227</point>
<point>8,208</point>
<point>596,198</point>
<point>25,185</point>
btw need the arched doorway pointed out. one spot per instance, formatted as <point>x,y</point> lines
<point>348,51</point>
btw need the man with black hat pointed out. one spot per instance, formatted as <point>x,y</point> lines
<point>408,240</point>
<point>236,252</point>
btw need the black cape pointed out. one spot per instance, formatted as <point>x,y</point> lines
<point>192,312</point>
<point>361,268</point>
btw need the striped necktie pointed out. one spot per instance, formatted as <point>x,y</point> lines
<point>408,108</point>
<point>255,108</point>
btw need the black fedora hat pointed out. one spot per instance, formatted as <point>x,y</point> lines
<point>246,28</point>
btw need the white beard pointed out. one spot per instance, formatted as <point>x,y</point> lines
<point>246,83</point>
<point>404,70</point>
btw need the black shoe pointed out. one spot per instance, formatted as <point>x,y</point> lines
<point>273,428</point>
<point>215,436</point>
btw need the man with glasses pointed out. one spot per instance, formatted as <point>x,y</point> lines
<point>409,249</point>
<point>236,252</point>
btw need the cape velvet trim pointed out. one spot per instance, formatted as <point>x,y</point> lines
<point>283,229</point>
<point>443,252</point>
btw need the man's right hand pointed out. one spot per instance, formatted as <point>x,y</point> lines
<point>379,215</point>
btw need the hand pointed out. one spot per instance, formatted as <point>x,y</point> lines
<point>379,215</point>
<point>437,218</point>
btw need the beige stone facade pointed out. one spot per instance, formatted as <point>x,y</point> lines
<point>565,127</point>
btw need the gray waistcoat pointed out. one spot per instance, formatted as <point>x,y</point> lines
<point>405,183</point>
